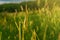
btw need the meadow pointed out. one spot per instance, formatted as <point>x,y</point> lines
<point>41,24</point>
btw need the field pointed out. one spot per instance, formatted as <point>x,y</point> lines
<point>41,24</point>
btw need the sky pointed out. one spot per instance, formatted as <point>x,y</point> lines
<point>13,1</point>
<point>10,0</point>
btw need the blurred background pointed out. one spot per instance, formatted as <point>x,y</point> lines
<point>29,19</point>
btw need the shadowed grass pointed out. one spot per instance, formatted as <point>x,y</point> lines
<point>41,24</point>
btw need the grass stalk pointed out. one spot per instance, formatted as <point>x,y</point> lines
<point>44,37</point>
<point>19,31</point>
<point>0,35</point>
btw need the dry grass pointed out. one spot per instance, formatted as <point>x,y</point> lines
<point>40,24</point>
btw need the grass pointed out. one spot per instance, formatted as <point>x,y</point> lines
<point>40,24</point>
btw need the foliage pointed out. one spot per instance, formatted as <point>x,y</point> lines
<point>32,5</point>
<point>38,24</point>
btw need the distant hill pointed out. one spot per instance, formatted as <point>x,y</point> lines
<point>32,5</point>
<point>10,7</point>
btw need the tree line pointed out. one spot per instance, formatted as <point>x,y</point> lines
<point>12,7</point>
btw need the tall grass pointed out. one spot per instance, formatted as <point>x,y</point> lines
<point>41,24</point>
